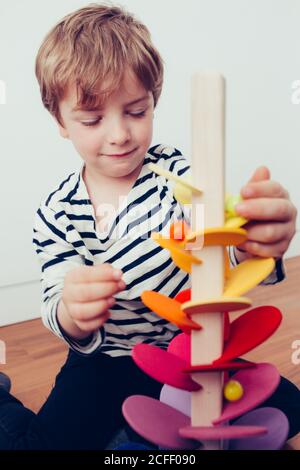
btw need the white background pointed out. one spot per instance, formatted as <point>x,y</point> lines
<point>254,44</point>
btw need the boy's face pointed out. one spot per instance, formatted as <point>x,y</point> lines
<point>104,137</point>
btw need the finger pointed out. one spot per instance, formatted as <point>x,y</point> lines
<point>276,209</point>
<point>261,173</point>
<point>92,291</point>
<point>266,250</point>
<point>271,232</point>
<point>93,325</point>
<point>90,310</point>
<point>266,188</point>
<point>99,272</point>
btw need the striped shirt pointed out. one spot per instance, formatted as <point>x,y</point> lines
<point>66,234</point>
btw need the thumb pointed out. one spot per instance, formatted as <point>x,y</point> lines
<point>261,173</point>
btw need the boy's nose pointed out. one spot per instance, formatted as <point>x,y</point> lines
<point>118,133</point>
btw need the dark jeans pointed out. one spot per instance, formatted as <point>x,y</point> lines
<point>83,411</point>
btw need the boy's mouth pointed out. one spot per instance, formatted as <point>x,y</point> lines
<point>125,154</point>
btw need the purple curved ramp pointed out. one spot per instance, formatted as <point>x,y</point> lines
<point>178,399</point>
<point>157,422</point>
<point>273,419</point>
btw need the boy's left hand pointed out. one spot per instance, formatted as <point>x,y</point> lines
<point>271,215</point>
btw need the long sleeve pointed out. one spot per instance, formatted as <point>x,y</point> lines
<point>57,256</point>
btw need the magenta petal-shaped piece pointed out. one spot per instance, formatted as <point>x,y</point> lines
<point>206,433</point>
<point>163,366</point>
<point>222,366</point>
<point>273,419</point>
<point>258,384</point>
<point>157,422</point>
<point>181,346</point>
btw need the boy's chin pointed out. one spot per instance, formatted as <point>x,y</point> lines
<point>126,169</point>
<point>122,172</point>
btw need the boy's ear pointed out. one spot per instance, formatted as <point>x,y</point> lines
<point>63,131</point>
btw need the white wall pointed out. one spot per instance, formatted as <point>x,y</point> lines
<point>254,43</point>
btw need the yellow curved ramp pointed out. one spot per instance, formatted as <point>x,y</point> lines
<point>247,275</point>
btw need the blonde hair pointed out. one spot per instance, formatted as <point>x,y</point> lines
<point>93,46</point>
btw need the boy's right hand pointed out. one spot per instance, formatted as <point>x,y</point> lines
<point>88,294</point>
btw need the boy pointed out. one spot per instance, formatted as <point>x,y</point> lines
<point>101,77</point>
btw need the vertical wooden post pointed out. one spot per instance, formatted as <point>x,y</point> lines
<point>208,149</point>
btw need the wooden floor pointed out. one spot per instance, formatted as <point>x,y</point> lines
<point>34,355</point>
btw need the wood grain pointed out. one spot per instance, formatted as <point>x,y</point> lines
<point>207,279</point>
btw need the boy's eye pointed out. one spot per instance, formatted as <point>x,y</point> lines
<point>137,114</point>
<point>94,122</point>
<point>91,122</point>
